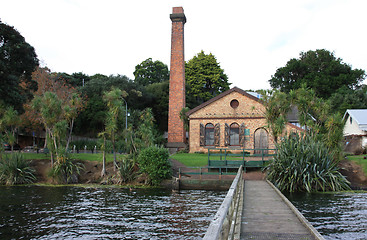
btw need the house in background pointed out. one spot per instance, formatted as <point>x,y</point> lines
<point>355,130</point>
<point>233,120</point>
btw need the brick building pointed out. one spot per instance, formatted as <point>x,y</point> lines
<point>233,119</point>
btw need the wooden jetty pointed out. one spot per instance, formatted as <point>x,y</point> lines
<point>258,210</point>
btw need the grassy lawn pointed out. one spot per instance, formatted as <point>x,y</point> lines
<point>79,156</point>
<point>359,160</point>
<point>191,159</point>
<point>198,159</point>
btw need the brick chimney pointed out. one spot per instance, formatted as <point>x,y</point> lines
<point>176,131</point>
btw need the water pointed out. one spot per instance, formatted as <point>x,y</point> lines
<point>335,216</point>
<point>105,213</point>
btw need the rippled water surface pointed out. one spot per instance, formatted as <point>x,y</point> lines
<point>335,216</point>
<point>105,213</point>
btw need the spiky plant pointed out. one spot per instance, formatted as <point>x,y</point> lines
<point>127,171</point>
<point>303,163</point>
<point>15,170</point>
<point>65,170</point>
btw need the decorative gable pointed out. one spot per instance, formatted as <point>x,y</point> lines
<point>234,103</point>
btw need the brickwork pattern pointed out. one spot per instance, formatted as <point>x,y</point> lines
<point>249,112</point>
<point>176,132</point>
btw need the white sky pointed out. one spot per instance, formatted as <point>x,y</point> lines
<point>250,39</point>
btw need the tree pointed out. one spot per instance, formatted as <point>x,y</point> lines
<point>57,116</point>
<point>205,78</point>
<point>9,123</point>
<point>159,95</point>
<point>277,105</point>
<point>148,72</point>
<point>345,98</point>
<point>17,62</point>
<point>72,101</point>
<point>320,70</point>
<point>315,115</point>
<point>49,108</point>
<point>76,79</point>
<point>91,121</point>
<point>115,102</point>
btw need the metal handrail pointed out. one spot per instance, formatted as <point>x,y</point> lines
<point>219,173</point>
<point>223,224</point>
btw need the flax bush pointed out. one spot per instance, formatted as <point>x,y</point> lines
<point>15,170</point>
<point>65,170</point>
<point>303,163</point>
<point>127,171</point>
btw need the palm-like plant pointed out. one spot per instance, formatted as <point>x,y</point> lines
<point>277,105</point>
<point>114,100</point>
<point>9,121</point>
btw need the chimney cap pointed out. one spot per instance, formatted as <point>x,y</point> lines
<point>178,15</point>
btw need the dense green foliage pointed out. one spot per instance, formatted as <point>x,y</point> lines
<point>314,114</point>
<point>205,78</point>
<point>154,162</point>
<point>303,163</point>
<point>17,62</point>
<point>76,79</point>
<point>345,98</point>
<point>158,96</point>
<point>14,169</point>
<point>320,70</point>
<point>149,72</point>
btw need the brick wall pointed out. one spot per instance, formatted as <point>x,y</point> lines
<point>249,111</point>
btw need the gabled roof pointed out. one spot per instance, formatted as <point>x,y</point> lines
<point>358,115</point>
<point>234,89</point>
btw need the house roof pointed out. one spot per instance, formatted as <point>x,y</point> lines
<point>234,89</point>
<point>359,115</point>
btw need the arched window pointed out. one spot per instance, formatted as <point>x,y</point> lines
<point>209,134</point>
<point>234,135</point>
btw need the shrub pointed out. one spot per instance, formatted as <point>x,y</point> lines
<point>154,162</point>
<point>303,163</point>
<point>15,170</point>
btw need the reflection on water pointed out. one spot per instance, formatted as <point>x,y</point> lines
<point>105,213</point>
<point>335,216</point>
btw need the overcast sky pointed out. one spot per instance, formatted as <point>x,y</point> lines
<point>250,39</point>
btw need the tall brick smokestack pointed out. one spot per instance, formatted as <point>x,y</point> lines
<point>176,131</point>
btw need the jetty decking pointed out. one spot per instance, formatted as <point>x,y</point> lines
<point>255,209</point>
<point>265,215</point>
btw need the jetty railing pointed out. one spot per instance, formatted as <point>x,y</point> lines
<point>199,171</point>
<point>248,158</point>
<point>227,221</point>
